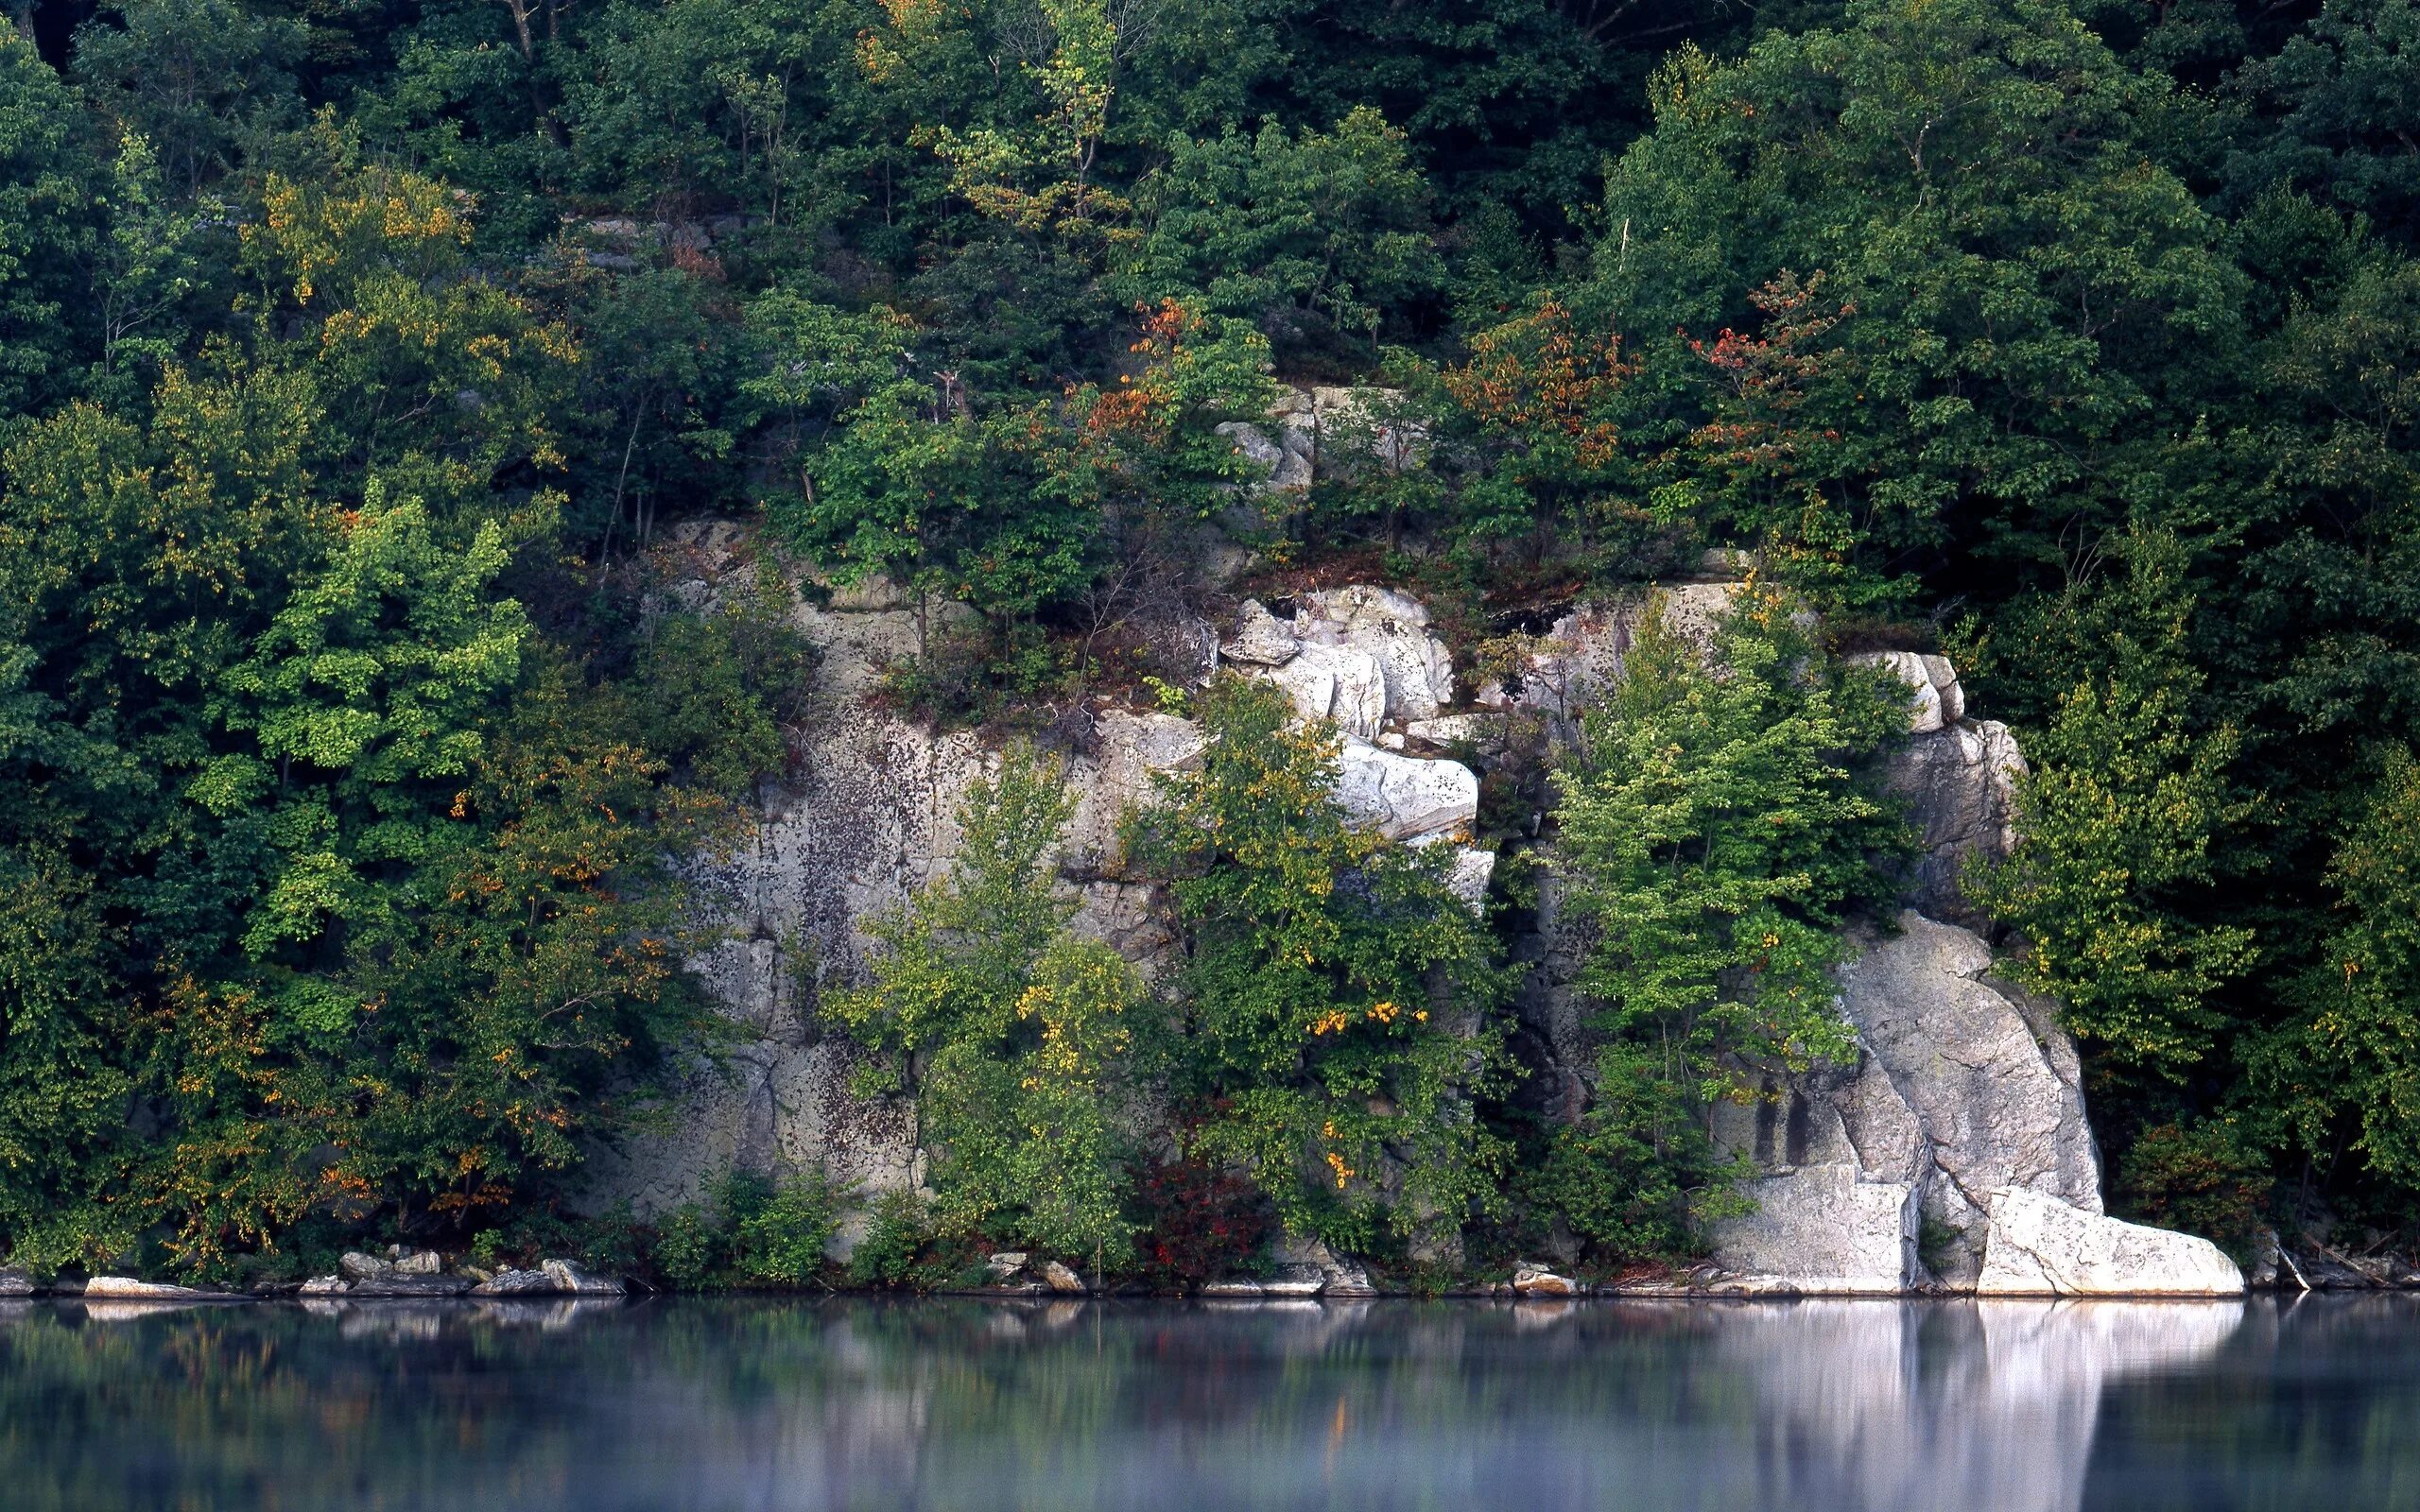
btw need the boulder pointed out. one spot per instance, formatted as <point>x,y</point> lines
<point>421,1263</point>
<point>2040,1246</point>
<point>1826,1229</point>
<point>1962,1084</point>
<point>1415,667</point>
<point>571,1281</point>
<point>1536,1280</point>
<point>127,1289</point>
<point>15,1282</point>
<point>1339,682</point>
<point>1935,699</point>
<point>1297,1279</point>
<point>511,1283</point>
<point>1063,1279</point>
<point>1261,639</point>
<point>1454,730</point>
<point>1472,870</point>
<point>360,1268</point>
<point>1286,456</point>
<point>1005,1265</point>
<point>1959,783</point>
<point>325,1286</point>
<point>1403,796</point>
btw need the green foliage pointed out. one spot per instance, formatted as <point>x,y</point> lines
<point>2021,288</point>
<point>358,363</point>
<point>2343,1073</point>
<point>1716,836</point>
<point>895,1239</point>
<point>1309,234</point>
<point>749,1232</point>
<point>2115,816</point>
<point>2203,1178</point>
<point>1335,992</point>
<point>1017,1034</point>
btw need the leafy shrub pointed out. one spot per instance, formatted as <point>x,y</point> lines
<point>749,1232</point>
<point>1715,836</point>
<point>902,1227</point>
<point>2202,1178</point>
<point>1334,989</point>
<point>1018,1032</point>
<point>1200,1223</point>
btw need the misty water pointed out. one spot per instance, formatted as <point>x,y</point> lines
<point>2311,1402</point>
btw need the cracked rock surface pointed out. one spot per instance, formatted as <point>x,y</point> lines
<point>2043,1247</point>
<point>1963,1086</point>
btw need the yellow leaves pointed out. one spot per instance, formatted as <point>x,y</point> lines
<point>1343,1172</point>
<point>1384,1012</point>
<point>1332,1022</point>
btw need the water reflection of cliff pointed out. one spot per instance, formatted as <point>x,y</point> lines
<point>1974,1406</point>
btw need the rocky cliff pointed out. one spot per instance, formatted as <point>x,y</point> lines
<point>1954,1153</point>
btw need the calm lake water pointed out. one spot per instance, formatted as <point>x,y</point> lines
<point>2301,1404</point>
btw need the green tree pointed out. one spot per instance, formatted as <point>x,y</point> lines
<point>2116,821</point>
<point>202,80</point>
<point>1321,233</point>
<point>2343,1071</point>
<point>2033,297</point>
<point>1013,1035</point>
<point>1334,994</point>
<point>1715,836</point>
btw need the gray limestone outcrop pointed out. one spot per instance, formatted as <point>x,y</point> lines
<point>1878,1176</point>
<point>2043,1247</point>
<point>1888,1173</point>
<point>868,817</point>
<point>1959,784</point>
<point>1327,430</point>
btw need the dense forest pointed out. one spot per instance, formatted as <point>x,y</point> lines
<point>357,357</point>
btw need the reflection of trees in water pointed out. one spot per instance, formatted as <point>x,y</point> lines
<point>2291,1433</point>
<point>942,1403</point>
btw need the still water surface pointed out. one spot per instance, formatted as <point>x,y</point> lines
<point>2310,1404</point>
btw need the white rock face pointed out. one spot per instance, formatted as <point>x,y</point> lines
<point>870,818</point>
<point>1831,1229</point>
<point>1935,699</point>
<point>126,1289</point>
<point>1344,683</point>
<point>1393,628</point>
<point>2040,1246</point>
<point>1960,787</point>
<point>1403,796</point>
<point>1473,869</point>
<point>1961,1086</point>
<point>1261,639</point>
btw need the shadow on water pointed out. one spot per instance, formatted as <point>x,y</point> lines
<point>1972,1406</point>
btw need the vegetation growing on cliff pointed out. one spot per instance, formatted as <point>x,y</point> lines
<point>1714,839</point>
<point>355,363</point>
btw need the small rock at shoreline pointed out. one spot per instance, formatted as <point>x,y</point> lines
<point>570,1280</point>
<point>1061,1279</point>
<point>1005,1265</point>
<point>1536,1280</point>
<point>1295,1281</point>
<point>126,1289</point>
<point>15,1282</point>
